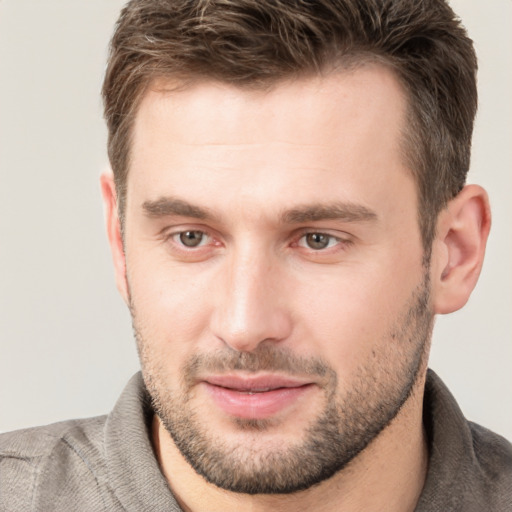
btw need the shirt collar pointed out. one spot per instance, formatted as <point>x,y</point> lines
<point>132,467</point>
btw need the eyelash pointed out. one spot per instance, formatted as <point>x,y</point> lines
<point>302,241</point>
<point>175,237</point>
<point>299,242</point>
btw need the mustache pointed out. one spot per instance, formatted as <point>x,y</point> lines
<point>265,358</point>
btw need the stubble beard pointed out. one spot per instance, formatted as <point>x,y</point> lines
<point>350,420</point>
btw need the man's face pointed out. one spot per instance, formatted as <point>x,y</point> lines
<point>274,268</point>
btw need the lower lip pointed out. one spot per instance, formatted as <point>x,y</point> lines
<point>256,405</point>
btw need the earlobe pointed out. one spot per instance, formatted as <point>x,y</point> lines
<point>459,248</point>
<point>113,226</point>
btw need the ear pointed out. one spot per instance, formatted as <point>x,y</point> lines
<point>458,251</point>
<point>113,225</point>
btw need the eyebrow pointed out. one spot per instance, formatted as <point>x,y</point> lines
<point>168,206</point>
<point>345,211</point>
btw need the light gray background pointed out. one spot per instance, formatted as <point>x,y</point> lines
<point>66,348</point>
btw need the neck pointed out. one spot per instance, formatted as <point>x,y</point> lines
<point>387,476</point>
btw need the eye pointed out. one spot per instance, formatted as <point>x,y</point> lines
<point>192,238</point>
<point>318,241</point>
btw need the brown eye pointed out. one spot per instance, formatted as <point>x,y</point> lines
<point>192,238</point>
<point>318,241</point>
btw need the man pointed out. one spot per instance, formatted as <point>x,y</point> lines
<point>287,213</point>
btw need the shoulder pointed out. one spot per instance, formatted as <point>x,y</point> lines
<point>470,467</point>
<point>62,449</point>
<point>33,443</point>
<point>494,456</point>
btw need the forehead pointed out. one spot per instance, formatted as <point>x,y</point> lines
<point>336,96</point>
<point>310,136</point>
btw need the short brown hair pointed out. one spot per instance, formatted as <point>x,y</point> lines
<point>259,42</point>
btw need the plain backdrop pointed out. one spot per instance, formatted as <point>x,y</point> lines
<point>66,347</point>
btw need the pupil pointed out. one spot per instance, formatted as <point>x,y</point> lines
<point>317,240</point>
<point>191,238</point>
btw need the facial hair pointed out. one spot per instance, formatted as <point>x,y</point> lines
<point>350,420</point>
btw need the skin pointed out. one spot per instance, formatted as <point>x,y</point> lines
<point>245,157</point>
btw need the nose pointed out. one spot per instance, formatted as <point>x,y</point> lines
<point>251,306</point>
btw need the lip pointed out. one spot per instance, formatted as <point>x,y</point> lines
<point>255,397</point>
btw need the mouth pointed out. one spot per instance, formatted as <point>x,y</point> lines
<point>255,397</point>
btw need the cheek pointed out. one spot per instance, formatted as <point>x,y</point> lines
<point>171,308</point>
<point>352,315</point>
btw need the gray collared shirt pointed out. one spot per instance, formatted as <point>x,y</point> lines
<point>107,463</point>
